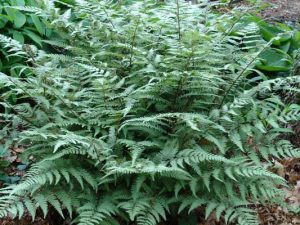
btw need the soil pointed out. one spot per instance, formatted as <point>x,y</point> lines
<point>282,10</point>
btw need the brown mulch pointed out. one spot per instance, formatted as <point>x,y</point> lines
<point>52,219</point>
<point>276,215</point>
<point>25,221</point>
<point>282,10</point>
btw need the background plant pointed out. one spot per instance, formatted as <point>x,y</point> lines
<point>25,27</point>
<point>151,114</point>
<point>28,23</point>
<point>282,57</point>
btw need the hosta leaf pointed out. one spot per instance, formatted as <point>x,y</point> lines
<point>34,37</point>
<point>19,19</point>
<point>18,36</point>
<point>275,60</point>
<point>38,24</point>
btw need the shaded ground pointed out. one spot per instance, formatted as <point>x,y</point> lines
<point>276,215</point>
<point>282,10</point>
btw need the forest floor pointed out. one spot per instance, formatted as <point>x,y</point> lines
<point>282,10</point>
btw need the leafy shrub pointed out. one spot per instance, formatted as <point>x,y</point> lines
<point>151,115</point>
<point>24,21</point>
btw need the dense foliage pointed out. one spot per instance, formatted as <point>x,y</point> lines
<point>28,23</point>
<point>153,113</point>
<point>28,27</point>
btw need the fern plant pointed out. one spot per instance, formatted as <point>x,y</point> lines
<point>152,113</point>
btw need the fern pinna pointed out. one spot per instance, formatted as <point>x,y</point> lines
<point>152,113</point>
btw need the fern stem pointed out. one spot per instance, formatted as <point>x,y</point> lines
<point>109,20</point>
<point>182,79</point>
<point>133,42</point>
<point>178,20</point>
<point>242,73</point>
<point>232,26</point>
<point>226,34</point>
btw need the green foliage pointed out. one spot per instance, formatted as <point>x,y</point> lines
<point>25,22</point>
<point>283,54</point>
<point>151,114</point>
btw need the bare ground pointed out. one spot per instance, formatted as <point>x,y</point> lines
<point>282,10</point>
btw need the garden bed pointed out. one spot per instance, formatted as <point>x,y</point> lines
<point>68,165</point>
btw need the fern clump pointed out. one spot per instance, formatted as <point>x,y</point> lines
<point>152,113</point>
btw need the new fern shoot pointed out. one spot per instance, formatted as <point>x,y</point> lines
<point>150,114</point>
